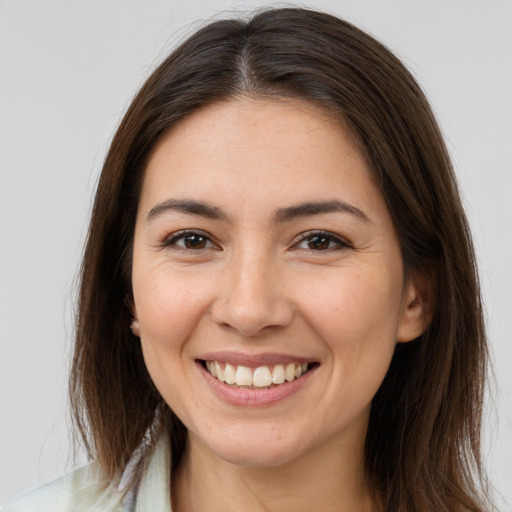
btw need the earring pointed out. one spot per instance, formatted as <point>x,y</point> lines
<point>135,328</point>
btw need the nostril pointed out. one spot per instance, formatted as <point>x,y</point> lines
<point>249,317</point>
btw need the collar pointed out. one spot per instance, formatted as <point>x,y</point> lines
<point>150,490</point>
<point>154,493</point>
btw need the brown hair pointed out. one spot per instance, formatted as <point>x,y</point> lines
<point>423,442</point>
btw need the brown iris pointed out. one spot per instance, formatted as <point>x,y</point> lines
<point>319,243</point>
<point>195,242</point>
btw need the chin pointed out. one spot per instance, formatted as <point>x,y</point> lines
<point>259,457</point>
<point>260,450</point>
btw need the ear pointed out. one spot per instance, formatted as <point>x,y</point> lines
<point>418,306</point>
<point>134,325</point>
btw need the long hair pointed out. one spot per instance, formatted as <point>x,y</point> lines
<point>422,448</point>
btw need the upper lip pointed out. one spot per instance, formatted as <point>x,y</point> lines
<point>254,360</point>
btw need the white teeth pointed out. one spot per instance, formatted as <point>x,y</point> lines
<point>260,377</point>
<point>229,373</point>
<point>220,372</point>
<point>243,376</point>
<point>289,372</point>
<point>278,374</point>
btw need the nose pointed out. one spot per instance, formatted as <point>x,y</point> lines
<point>252,298</point>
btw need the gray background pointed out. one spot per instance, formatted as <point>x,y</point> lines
<point>67,73</point>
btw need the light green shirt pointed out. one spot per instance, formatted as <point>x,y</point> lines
<point>84,490</point>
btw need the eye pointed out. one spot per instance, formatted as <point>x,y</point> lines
<point>190,240</point>
<point>321,241</point>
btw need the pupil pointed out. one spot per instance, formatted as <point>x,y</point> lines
<point>195,242</point>
<point>319,242</point>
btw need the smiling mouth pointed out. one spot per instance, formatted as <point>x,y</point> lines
<point>261,377</point>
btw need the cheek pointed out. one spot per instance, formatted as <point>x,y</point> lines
<point>169,306</point>
<point>356,315</point>
<point>169,309</point>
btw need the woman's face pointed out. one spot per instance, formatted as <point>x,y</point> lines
<point>265,254</point>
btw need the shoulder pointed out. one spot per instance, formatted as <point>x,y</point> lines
<point>86,490</point>
<point>81,490</point>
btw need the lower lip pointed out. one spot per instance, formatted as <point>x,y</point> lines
<point>255,397</point>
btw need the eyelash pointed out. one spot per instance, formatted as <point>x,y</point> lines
<point>181,236</point>
<point>172,241</point>
<point>340,244</point>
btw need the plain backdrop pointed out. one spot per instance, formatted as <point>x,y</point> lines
<point>68,70</point>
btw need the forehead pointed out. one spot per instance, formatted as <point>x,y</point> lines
<point>257,150</point>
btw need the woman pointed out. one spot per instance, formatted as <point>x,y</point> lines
<point>279,304</point>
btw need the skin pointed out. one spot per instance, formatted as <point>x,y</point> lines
<point>255,285</point>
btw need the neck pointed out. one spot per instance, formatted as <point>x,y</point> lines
<point>328,478</point>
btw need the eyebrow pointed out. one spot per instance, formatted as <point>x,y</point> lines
<point>317,208</point>
<point>189,206</point>
<point>193,207</point>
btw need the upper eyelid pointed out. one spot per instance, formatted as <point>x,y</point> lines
<point>188,231</point>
